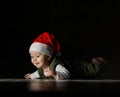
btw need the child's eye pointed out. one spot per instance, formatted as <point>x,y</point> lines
<point>37,56</point>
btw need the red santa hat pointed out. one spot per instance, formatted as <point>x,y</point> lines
<point>47,44</point>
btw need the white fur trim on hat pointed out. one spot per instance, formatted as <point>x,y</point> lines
<point>42,48</point>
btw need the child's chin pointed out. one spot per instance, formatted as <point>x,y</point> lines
<point>38,67</point>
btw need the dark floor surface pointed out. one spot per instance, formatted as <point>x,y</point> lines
<point>22,87</point>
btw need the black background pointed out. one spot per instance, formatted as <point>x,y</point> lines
<point>84,28</point>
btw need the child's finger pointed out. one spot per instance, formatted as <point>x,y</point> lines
<point>26,75</point>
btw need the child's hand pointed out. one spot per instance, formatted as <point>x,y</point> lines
<point>49,73</point>
<point>28,76</point>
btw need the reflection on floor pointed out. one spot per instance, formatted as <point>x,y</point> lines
<point>59,87</point>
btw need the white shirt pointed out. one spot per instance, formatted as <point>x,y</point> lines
<point>62,73</point>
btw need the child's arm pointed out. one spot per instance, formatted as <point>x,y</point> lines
<point>62,72</point>
<point>33,75</point>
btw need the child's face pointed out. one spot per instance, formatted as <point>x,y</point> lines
<point>39,59</point>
